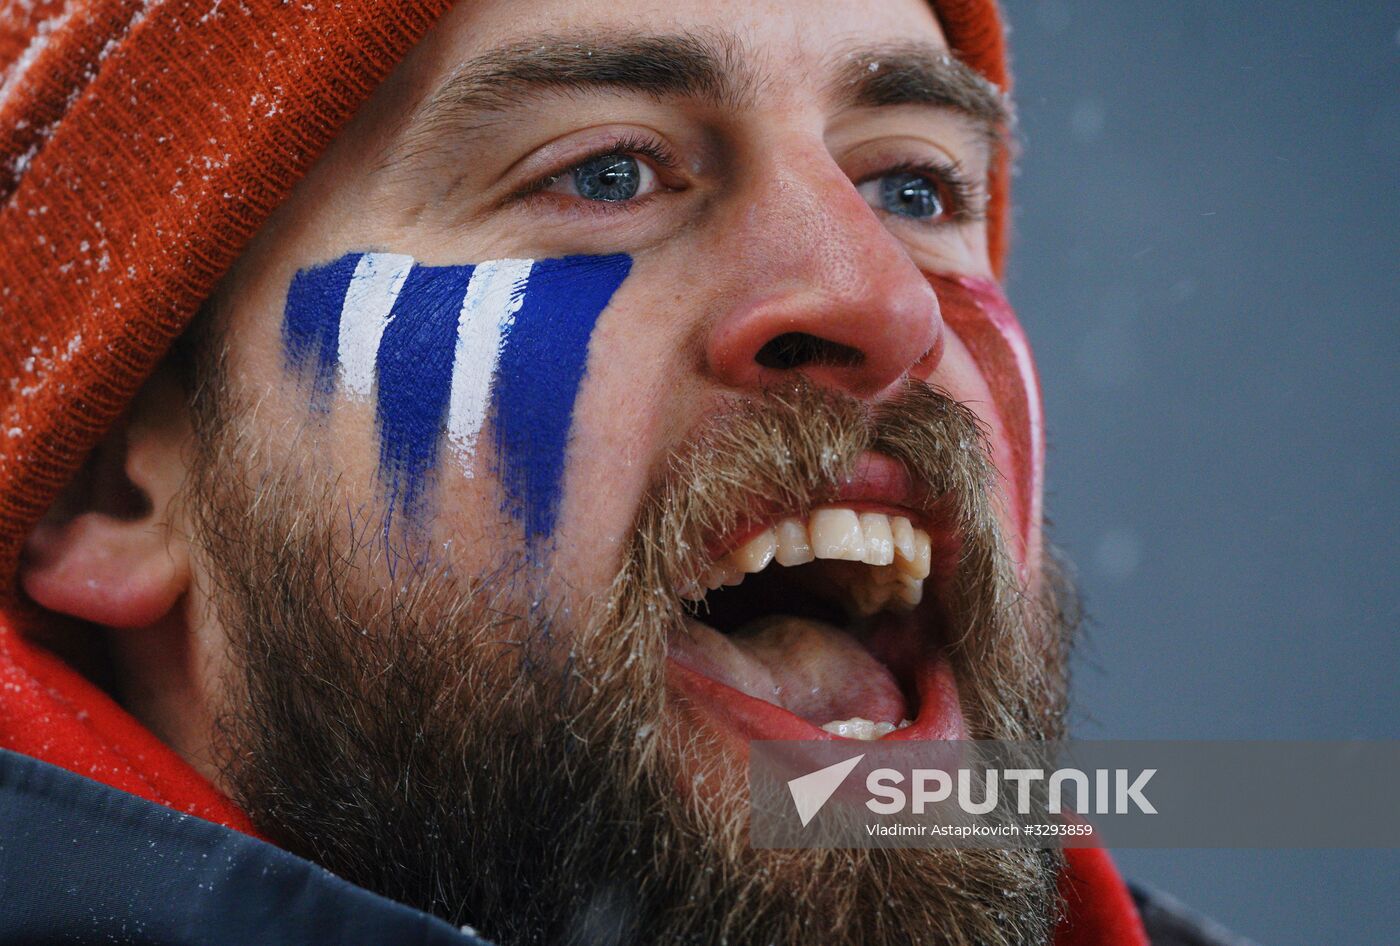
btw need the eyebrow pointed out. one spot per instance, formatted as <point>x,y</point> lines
<point>710,68</point>
<point>919,74</point>
<point>705,67</point>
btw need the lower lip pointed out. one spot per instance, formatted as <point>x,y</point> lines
<point>736,715</point>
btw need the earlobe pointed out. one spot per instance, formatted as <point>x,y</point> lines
<point>110,571</point>
<point>107,553</point>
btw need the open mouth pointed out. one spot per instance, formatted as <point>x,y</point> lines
<point>823,624</point>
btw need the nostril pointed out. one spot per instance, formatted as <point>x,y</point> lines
<point>801,350</point>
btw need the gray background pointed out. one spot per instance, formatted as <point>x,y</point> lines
<point>1206,263</point>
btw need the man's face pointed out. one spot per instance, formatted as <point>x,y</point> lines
<point>594,307</point>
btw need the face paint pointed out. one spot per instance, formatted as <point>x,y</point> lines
<point>541,366</point>
<point>493,299</point>
<point>369,300</point>
<point>443,348</point>
<point>310,327</point>
<point>978,311</point>
<point>414,370</point>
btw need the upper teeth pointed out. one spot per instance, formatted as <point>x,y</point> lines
<point>899,553</point>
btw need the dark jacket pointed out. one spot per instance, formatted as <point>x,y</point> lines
<point>81,862</point>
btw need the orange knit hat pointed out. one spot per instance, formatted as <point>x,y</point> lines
<point>142,143</point>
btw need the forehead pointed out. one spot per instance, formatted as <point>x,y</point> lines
<point>782,42</point>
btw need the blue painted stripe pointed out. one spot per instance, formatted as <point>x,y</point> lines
<point>311,319</point>
<point>542,363</point>
<point>414,367</point>
<point>543,356</point>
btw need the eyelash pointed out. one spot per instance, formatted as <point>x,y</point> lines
<point>965,196</point>
<point>633,144</point>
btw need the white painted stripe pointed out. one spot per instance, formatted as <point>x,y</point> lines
<point>368,303</point>
<point>494,295</point>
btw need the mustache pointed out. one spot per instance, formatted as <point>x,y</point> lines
<point>790,448</point>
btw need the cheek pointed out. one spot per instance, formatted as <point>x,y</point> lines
<point>455,351</point>
<point>639,396</point>
<point>978,313</point>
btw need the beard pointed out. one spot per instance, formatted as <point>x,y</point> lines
<point>452,743</point>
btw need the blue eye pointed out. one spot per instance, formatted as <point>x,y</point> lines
<point>909,195</point>
<point>609,177</point>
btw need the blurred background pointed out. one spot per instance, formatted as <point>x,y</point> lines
<point>1206,259</point>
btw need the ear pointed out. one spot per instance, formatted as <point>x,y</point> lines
<point>109,551</point>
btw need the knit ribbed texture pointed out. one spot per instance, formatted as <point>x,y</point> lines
<point>144,143</point>
<point>975,33</point>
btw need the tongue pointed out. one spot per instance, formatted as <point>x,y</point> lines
<point>815,671</point>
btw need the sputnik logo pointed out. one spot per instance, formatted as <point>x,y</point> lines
<point>812,791</point>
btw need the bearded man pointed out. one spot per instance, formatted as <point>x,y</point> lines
<point>438,441</point>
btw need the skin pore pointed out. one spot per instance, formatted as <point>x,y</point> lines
<point>798,188</point>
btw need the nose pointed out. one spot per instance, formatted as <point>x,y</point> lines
<point>820,287</point>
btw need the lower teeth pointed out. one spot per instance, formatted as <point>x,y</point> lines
<point>858,728</point>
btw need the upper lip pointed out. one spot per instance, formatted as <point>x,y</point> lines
<point>877,483</point>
